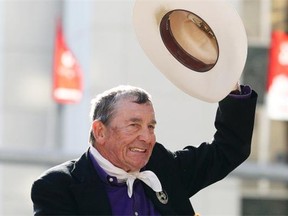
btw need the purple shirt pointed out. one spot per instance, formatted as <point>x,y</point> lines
<point>120,203</point>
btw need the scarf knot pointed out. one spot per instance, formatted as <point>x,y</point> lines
<point>147,176</point>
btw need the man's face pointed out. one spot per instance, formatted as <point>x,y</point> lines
<point>129,138</point>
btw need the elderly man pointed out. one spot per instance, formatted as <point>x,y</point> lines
<point>126,172</point>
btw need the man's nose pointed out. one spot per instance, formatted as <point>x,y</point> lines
<point>146,135</point>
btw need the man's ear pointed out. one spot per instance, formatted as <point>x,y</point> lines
<point>98,129</point>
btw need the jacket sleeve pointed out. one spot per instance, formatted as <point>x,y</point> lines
<point>211,162</point>
<point>52,197</point>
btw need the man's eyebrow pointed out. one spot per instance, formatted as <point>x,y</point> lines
<point>154,122</point>
<point>135,119</point>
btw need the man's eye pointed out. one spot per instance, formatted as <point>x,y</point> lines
<point>152,126</point>
<point>133,125</point>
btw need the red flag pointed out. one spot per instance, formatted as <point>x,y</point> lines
<point>277,85</point>
<point>67,75</point>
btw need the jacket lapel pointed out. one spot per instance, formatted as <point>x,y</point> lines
<point>177,201</point>
<point>163,207</point>
<point>88,189</point>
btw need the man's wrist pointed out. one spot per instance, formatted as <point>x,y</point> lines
<point>245,92</point>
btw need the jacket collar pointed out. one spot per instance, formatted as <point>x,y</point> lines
<point>88,189</point>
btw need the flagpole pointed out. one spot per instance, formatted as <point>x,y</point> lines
<point>74,126</point>
<point>279,15</point>
<point>1,75</point>
<point>59,127</point>
<point>1,98</point>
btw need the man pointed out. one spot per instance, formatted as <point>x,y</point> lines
<point>126,172</point>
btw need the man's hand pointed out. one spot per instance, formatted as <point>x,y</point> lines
<point>236,89</point>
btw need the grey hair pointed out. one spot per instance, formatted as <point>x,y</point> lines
<point>103,105</point>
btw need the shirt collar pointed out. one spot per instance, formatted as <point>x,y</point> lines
<point>111,180</point>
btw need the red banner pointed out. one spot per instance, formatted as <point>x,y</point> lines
<point>67,75</point>
<point>277,84</point>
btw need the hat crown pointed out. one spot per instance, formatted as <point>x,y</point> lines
<point>192,38</point>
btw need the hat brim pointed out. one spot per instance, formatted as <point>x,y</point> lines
<point>214,84</point>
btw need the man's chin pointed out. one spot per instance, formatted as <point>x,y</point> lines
<point>137,166</point>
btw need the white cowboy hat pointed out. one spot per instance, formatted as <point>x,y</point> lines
<point>199,45</point>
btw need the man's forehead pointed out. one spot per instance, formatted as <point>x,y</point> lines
<point>133,110</point>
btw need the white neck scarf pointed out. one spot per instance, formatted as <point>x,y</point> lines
<point>148,177</point>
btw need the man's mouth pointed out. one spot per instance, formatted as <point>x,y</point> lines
<point>139,150</point>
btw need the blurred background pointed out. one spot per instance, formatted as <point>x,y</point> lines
<point>56,55</point>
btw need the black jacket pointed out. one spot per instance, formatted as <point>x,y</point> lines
<point>74,188</point>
